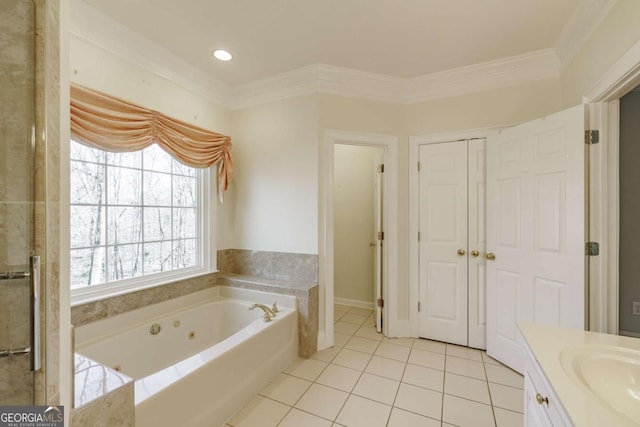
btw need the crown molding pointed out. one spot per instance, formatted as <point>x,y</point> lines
<point>95,27</point>
<point>579,28</point>
<point>511,71</point>
<point>319,78</point>
<point>322,78</point>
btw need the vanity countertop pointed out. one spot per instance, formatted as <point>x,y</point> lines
<point>583,406</point>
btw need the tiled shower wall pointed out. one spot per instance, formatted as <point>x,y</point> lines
<point>29,220</point>
<point>17,112</point>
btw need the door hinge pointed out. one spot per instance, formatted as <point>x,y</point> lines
<point>418,306</point>
<point>380,235</point>
<point>380,302</point>
<point>418,236</point>
<point>418,166</point>
<point>591,137</point>
<point>381,168</point>
<point>592,248</point>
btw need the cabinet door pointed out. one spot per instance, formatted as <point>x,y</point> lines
<point>477,243</point>
<point>443,243</point>
<point>535,228</point>
<point>534,414</point>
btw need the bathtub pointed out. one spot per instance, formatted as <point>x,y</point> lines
<point>197,359</point>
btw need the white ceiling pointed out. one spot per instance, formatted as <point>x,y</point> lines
<point>399,38</point>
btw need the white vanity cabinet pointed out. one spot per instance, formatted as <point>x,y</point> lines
<point>541,406</point>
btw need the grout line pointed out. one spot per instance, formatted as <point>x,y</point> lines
<point>493,411</point>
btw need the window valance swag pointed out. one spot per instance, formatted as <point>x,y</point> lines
<point>112,124</point>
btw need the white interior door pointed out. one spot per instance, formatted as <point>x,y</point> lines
<point>477,178</point>
<point>535,229</point>
<point>378,227</point>
<point>443,242</point>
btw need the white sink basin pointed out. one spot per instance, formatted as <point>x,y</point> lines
<point>610,373</point>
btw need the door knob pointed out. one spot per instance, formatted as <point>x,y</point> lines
<point>491,256</point>
<point>461,252</point>
<point>475,253</point>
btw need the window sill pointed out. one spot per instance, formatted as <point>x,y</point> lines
<point>95,293</point>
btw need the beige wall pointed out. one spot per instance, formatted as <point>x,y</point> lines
<point>617,33</point>
<point>276,176</point>
<point>354,221</point>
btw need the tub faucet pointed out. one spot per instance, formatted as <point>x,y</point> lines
<point>268,313</point>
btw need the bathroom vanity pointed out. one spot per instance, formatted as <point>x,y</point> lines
<point>579,378</point>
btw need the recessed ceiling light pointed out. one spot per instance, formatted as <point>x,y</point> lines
<point>222,55</point>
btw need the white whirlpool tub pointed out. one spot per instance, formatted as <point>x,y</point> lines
<point>210,357</point>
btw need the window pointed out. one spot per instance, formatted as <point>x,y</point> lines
<point>134,215</point>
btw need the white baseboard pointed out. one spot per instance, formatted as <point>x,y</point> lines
<point>630,334</point>
<point>354,303</point>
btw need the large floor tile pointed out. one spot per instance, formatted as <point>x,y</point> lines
<point>506,397</point>
<point>490,360</point>
<point>419,400</point>
<point>339,377</point>
<point>392,351</point>
<point>465,367</point>
<point>352,359</point>
<point>260,412</point>
<point>362,344</point>
<point>361,412</point>
<point>339,340</point>
<point>466,413</point>
<point>308,369</point>
<point>405,342</point>
<point>464,352</point>
<point>466,387</point>
<point>505,376</point>
<point>322,401</point>
<point>377,388</point>
<point>345,328</point>
<point>361,311</point>
<point>368,331</point>
<point>428,345</point>
<point>297,418</point>
<point>432,379</point>
<point>387,368</point>
<point>506,418</point>
<point>402,418</point>
<point>327,354</point>
<point>286,389</point>
<point>356,319</point>
<point>425,358</point>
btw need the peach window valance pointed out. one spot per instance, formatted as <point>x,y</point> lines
<point>112,124</point>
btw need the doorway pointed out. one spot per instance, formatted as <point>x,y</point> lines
<point>388,258</point>
<point>629,176</point>
<point>358,174</point>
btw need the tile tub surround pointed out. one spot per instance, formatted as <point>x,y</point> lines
<point>279,272</point>
<point>368,380</point>
<point>292,267</point>
<point>306,303</point>
<point>103,397</point>
<point>97,310</point>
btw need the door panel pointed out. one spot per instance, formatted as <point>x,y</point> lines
<point>477,177</point>
<point>535,190</point>
<point>378,227</point>
<point>443,225</point>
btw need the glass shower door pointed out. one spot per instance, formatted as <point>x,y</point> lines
<point>17,263</point>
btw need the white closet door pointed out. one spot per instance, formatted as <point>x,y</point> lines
<point>443,242</point>
<point>378,250</point>
<point>535,228</point>
<point>477,243</point>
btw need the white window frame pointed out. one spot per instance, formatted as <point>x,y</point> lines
<point>207,250</point>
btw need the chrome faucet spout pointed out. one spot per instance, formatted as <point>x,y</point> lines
<point>268,313</point>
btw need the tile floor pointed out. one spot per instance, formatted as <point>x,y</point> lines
<point>367,380</point>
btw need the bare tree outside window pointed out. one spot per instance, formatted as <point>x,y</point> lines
<point>132,214</point>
